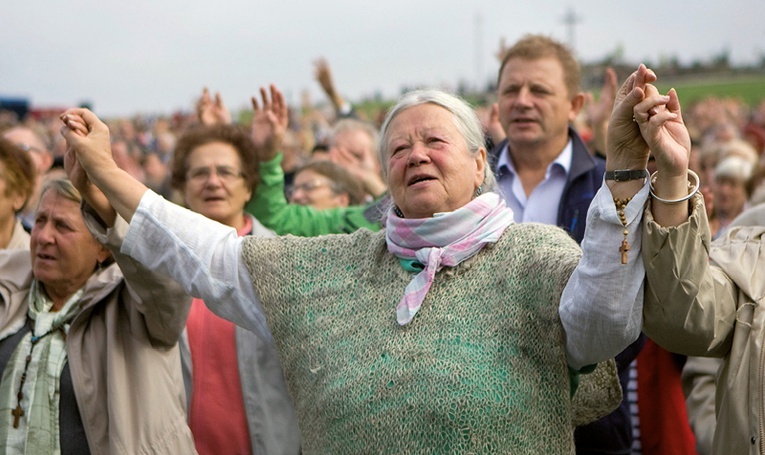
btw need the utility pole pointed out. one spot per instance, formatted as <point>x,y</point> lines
<point>570,20</point>
<point>478,52</point>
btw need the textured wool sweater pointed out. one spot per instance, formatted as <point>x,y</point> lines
<point>481,368</point>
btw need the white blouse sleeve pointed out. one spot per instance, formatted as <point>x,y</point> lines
<point>204,256</point>
<point>601,308</point>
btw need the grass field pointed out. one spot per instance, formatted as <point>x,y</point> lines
<point>750,89</point>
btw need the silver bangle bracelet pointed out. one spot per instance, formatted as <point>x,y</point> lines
<point>694,188</point>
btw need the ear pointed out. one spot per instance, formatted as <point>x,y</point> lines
<point>103,254</point>
<point>343,199</point>
<point>480,168</point>
<point>17,201</point>
<point>577,102</point>
<point>46,160</point>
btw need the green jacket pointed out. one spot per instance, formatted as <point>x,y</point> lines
<point>271,208</point>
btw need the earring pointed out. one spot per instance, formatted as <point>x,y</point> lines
<point>398,212</point>
<point>479,191</point>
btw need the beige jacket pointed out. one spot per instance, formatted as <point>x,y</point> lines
<point>122,350</point>
<point>708,299</point>
<point>19,238</point>
<point>699,373</point>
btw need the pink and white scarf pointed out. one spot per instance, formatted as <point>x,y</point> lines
<point>446,239</point>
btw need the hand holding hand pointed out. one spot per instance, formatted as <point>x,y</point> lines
<point>212,112</point>
<point>269,123</point>
<point>625,146</point>
<point>662,127</point>
<point>76,125</point>
<point>90,139</point>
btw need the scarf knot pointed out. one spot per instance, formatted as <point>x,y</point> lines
<point>445,240</point>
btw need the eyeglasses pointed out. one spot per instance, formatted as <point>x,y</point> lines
<point>202,174</point>
<point>307,187</point>
<point>30,148</point>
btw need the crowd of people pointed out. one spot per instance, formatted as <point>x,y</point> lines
<point>554,272</point>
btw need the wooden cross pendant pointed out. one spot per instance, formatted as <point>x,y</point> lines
<point>623,249</point>
<point>17,413</point>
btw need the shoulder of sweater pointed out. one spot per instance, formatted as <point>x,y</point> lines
<point>536,232</point>
<point>258,228</point>
<point>345,244</point>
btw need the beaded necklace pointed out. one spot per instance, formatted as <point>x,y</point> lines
<point>18,412</point>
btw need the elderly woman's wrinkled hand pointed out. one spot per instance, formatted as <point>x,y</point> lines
<point>269,123</point>
<point>626,148</point>
<point>89,137</point>
<point>76,126</point>
<point>662,127</point>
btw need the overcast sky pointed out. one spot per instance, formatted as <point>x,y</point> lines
<point>154,56</point>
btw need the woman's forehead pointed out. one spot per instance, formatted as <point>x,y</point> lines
<point>422,118</point>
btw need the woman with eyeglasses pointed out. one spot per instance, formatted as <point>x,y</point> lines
<point>238,399</point>
<point>325,185</point>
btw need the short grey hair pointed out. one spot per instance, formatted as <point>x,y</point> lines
<point>62,187</point>
<point>349,124</point>
<point>465,119</point>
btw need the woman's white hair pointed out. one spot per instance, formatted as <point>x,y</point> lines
<point>734,167</point>
<point>465,119</point>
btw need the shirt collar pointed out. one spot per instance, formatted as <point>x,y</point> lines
<point>563,161</point>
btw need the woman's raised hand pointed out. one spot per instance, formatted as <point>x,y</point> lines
<point>89,137</point>
<point>75,125</point>
<point>269,122</point>
<point>661,126</point>
<point>626,148</point>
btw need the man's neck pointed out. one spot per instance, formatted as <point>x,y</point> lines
<point>538,156</point>
<point>532,160</point>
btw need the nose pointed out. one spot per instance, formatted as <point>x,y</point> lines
<point>213,179</point>
<point>418,155</point>
<point>44,233</point>
<point>523,99</point>
<point>298,196</point>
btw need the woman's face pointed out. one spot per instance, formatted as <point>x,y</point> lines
<point>215,186</point>
<point>314,189</point>
<point>64,253</point>
<point>430,169</point>
<point>11,200</point>
<point>730,196</point>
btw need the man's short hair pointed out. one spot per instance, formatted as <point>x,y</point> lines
<point>532,47</point>
<point>350,124</point>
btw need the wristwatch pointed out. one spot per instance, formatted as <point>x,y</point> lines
<point>623,175</point>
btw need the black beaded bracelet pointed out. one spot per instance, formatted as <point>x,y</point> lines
<point>623,175</point>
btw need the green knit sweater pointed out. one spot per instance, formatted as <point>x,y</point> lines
<point>480,369</point>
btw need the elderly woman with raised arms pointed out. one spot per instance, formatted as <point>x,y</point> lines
<point>454,329</point>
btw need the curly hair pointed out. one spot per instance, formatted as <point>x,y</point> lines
<point>199,135</point>
<point>19,173</point>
